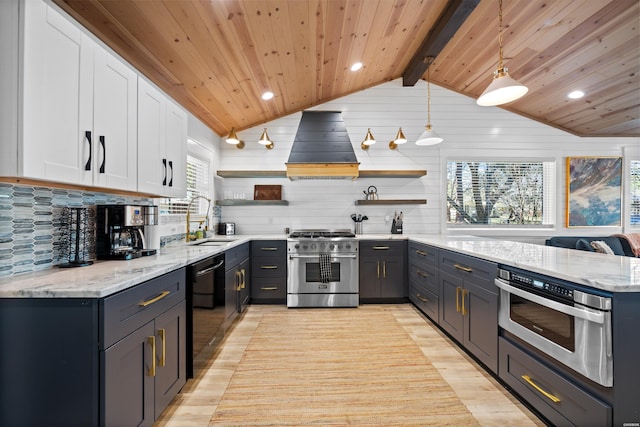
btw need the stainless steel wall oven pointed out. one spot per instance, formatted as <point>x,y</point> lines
<point>570,323</point>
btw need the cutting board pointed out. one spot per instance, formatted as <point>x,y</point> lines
<point>267,192</point>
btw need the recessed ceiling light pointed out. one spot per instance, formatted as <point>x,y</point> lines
<point>576,94</point>
<point>267,96</point>
<point>356,66</point>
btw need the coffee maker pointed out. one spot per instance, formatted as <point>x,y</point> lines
<point>119,231</point>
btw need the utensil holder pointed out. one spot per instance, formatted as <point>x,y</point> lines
<point>358,228</point>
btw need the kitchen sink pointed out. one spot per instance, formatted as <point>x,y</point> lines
<point>214,242</point>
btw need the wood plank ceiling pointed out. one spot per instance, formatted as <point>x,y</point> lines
<point>216,57</point>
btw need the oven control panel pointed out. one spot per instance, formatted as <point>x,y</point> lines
<point>540,285</point>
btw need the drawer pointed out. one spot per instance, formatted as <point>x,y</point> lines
<point>575,406</point>
<point>235,256</point>
<point>128,310</point>
<point>269,267</point>
<point>382,248</point>
<point>424,276</point>
<point>423,254</point>
<point>269,289</point>
<point>265,248</point>
<point>425,300</point>
<point>483,273</point>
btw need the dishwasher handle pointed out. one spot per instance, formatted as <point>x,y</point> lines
<point>210,269</point>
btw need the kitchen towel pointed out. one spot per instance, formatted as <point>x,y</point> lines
<point>325,267</point>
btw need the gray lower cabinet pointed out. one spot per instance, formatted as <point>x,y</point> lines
<point>236,282</point>
<point>269,271</point>
<point>424,285</point>
<point>468,304</point>
<point>88,362</point>
<point>383,270</point>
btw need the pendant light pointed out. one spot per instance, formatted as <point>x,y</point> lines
<point>503,88</point>
<point>429,137</point>
<point>399,140</point>
<point>265,140</point>
<point>232,139</point>
<point>368,140</point>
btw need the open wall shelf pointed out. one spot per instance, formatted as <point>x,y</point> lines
<point>392,202</point>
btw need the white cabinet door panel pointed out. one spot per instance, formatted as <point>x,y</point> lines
<point>152,171</point>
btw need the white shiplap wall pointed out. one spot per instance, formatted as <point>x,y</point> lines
<point>469,131</point>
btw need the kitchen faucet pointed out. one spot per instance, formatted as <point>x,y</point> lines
<point>189,213</point>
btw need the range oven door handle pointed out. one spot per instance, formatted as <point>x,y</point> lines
<point>355,256</point>
<point>586,314</point>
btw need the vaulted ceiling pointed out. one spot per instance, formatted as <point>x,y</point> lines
<point>216,57</point>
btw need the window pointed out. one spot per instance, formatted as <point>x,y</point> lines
<point>503,193</point>
<point>197,185</point>
<point>635,192</point>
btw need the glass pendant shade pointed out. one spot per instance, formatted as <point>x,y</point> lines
<point>232,138</point>
<point>429,137</point>
<point>503,89</point>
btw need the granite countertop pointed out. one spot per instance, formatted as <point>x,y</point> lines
<point>103,278</point>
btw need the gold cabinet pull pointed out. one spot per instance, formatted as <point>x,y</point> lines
<point>458,289</point>
<point>384,269</point>
<point>152,370</point>
<point>269,288</point>
<point>156,299</point>
<point>464,308</point>
<point>238,280</point>
<point>163,337</point>
<point>422,253</point>
<point>421,298</point>
<point>380,248</point>
<point>269,267</point>
<point>268,249</point>
<point>463,268</point>
<point>422,273</point>
<point>378,267</point>
<point>546,394</point>
<point>244,278</point>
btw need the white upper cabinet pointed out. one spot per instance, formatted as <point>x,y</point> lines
<point>162,138</point>
<point>79,106</point>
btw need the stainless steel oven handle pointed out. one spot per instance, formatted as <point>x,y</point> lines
<point>355,256</point>
<point>597,317</point>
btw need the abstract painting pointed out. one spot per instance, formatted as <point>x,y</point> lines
<point>594,191</point>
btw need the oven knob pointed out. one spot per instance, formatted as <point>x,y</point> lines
<point>348,246</point>
<point>314,246</point>
<point>331,246</point>
<point>297,246</point>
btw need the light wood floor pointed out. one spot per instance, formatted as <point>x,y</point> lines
<point>490,403</point>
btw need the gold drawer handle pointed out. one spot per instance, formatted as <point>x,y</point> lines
<point>463,268</point>
<point>380,248</point>
<point>153,300</point>
<point>422,253</point>
<point>269,267</point>
<point>422,273</point>
<point>421,298</point>
<point>152,369</point>
<point>270,288</point>
<point>268,249</point>
<point>546,394</point>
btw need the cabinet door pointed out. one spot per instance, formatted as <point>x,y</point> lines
<point>115,123</point>
<point>176,142</point>
<point>231,282</point>
<point>369,277</point>
<point>392,284</point>
<point>481,324</point>
<point>450,316</point>
<point>128,380</point>
<point>171,355</point>
<point>152,167</point>
<point>57,97</point>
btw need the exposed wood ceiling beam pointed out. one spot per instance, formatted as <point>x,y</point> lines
<point>448,23</point>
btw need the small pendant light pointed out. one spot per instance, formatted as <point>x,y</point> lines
<point>368,140</point>
<point>503,88</point>
<point>265,140</point>
<point>429,137</point>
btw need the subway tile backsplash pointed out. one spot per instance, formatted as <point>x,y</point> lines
<point>34,232</point>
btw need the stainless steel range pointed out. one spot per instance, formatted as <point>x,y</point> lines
<point>323,269</point>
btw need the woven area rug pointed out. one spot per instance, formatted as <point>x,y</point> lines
<point>336,367</point>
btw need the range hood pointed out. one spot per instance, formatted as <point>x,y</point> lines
<point>322,148</point>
